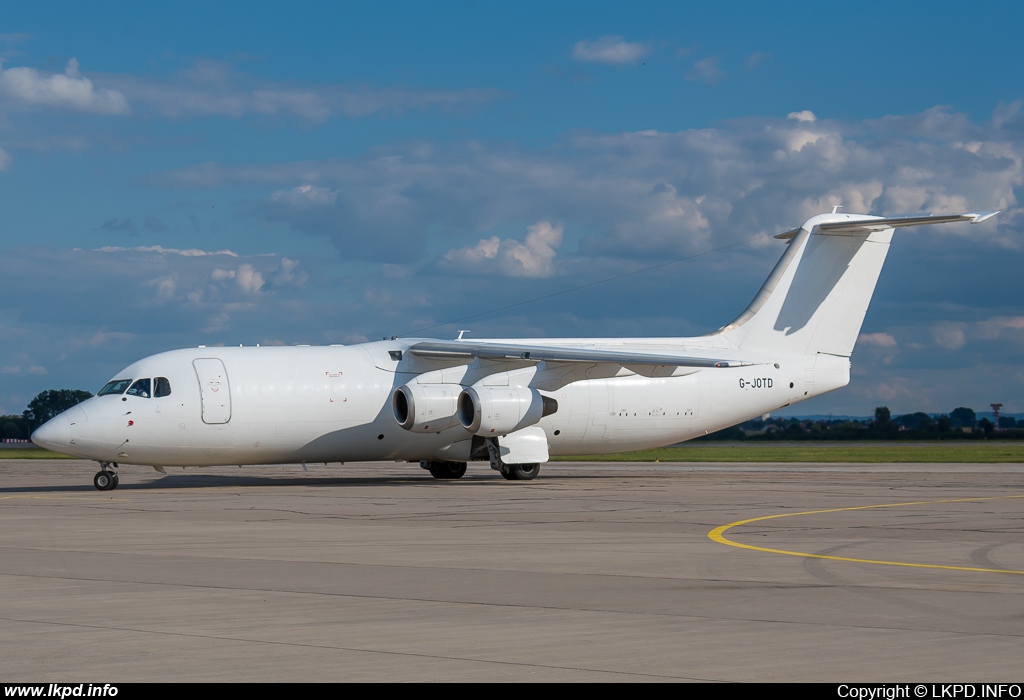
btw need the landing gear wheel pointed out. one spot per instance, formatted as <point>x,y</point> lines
<point>521,472</point>
<point>105,481</point>
<point>447,470</point>
<point>116,480</point>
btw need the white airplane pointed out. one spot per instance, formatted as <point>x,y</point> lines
<point>513,403</point>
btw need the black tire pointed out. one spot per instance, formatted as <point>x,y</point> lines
<point>103,481</point>
<point>507,474</point>
<point>455,470</point>
<point>447,470</point>
<point>523,472</point>
<point>115,481</point>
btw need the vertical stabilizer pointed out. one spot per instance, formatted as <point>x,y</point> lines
<point>815,300</point>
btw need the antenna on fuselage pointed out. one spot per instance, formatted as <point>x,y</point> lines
<point>836,208</point>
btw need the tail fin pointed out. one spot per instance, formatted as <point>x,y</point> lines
<point>815,299</point>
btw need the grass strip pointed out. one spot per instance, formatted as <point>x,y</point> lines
<point>832,452</point>
<point>31,453</point>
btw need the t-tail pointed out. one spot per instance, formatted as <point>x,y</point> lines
<point>815,299</point>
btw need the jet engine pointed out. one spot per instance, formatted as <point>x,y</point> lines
<point>426,408</point>
<point>494,410</point>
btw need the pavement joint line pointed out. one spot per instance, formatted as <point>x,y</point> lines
<point>718,535</point>
<point>364,650</point>
<point>512,605</point>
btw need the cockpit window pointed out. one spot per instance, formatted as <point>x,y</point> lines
<point>115,387</point>
<point>140,388</point>
<point>161,387</point>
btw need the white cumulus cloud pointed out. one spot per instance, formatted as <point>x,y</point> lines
<point>805,115</point>
<point>534,257</point>
<point>613,50</point>
<point>878,340</point>
<point>289,274</point>
<point>165,287</point>
<point>706,70</point>
<point>248,278</point>
<point>26,86</point>
<point>997,327</point>
<point>305,197</point>
<point>949,335</point>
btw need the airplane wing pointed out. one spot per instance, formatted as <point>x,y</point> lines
<point>524,352</point>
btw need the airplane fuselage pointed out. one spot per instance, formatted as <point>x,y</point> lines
<point>269,405</point>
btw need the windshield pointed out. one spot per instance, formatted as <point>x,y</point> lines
<point>115,387</point>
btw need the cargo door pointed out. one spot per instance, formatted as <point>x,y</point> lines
<point>213,390</point>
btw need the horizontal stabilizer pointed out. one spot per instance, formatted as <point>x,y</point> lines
<point>786,235</point>
<point>880,223</point>
<point>867,224</point>
<point>536,353</point>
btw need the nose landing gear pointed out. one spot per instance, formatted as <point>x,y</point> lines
<point>106,478</point>
<point>511,472</point>
<point>521,472</point>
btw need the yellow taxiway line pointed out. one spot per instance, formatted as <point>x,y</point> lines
<point>718,535</point>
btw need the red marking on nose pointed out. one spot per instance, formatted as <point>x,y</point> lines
<point>131,422</point>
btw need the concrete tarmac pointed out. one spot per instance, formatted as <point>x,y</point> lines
<point>593,572</point>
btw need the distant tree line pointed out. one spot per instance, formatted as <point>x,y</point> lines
<point>959,424</point>
<point>42,408</point>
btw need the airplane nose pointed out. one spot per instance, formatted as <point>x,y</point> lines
<point>76,415</point>
<point>54,434</point>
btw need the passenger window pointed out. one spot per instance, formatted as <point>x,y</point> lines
<point>140,389</point>
<point>161,387</point>
<point>115,387</point>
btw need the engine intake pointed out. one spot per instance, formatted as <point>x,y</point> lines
<point>426,408</point>
<point>491,410</point>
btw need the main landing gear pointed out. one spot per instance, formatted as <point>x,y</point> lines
<point>106,479</point>
<point>445,470</point>
<point>526,471</point>
<point>456,470</point>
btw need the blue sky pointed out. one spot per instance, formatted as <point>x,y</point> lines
<point>330,172</point>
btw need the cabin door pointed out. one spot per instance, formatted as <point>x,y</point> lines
<point>213,390</point>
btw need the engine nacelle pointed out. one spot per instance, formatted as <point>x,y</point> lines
<point>426,408</point>
<point>499,410</point>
